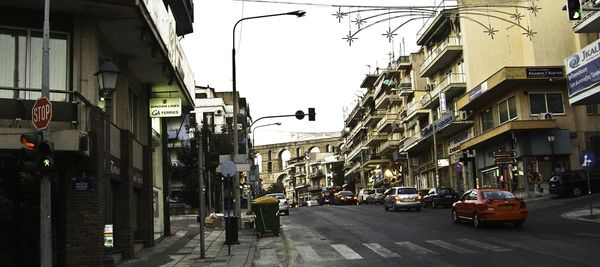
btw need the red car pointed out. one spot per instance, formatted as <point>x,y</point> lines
<point>489,205</point>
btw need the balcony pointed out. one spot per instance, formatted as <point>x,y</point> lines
<point>411,141</point>
<point>385,124</point>
<point>590,22</point>
<point>384,99</point>
<point>374,138</point>
<point>374,117</point>
<point>403,63</point>
<point>390,145</point>
<point>413,109</point>
<point>430,100</point>
<point>314,188</point>
<point>356,151</point>
<point>354,116</point>
<point>453,85</point>
<point>317,174</point>
<point>367,98</point>
<point>441,56</point>
<point>517,125</point>
<point>375,159</point>
<point>452,123</point>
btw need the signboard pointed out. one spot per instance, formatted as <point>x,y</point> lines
<point>587,160</point>
<point>583,69</point>
<point>505,157</point>
<point>442,102</point>
<point>545,72</point>
<point>443,162</point>
<point>41,113</point>
<point>82,184</point>
<point>477,91</point>
<point>455,141</point>
<point>228,168</point>
<point>108,236</point>
<point>165,107</point>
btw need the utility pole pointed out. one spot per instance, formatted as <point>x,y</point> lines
<point>45,185</point>
<point>201,207</point>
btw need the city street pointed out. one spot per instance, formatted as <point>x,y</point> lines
<point>369,236</point>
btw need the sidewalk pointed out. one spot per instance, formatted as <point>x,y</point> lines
<point>182,248</point>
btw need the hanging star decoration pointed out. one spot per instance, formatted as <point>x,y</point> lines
<point>517,16</point>
<point>349,38</point>
<point>529,33</point>
<point>490,31</point>
<point>534,8</point>
<point>339,14</point>
<point>389,34</point>
<point>359,21</point>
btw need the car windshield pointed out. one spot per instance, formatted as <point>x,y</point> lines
<point>346,193</point>
<point>380,190</point>
<point>498,195</point>
<point>445,191</point>
<point>278,196</point>
<point>407,191</point>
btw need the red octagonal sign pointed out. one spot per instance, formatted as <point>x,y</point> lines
<point>41,113</point>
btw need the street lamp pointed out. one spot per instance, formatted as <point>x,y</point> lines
<point>107,77</point>
<point>297,13</point>
<point>551,141</point>
<point>265,125</point>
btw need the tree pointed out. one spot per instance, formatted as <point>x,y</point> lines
<point>338,173</point>
<point>275,188</point>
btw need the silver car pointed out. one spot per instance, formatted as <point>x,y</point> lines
<point>403,197</point>
<point>284,206</point>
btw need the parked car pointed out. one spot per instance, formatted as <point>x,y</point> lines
<point>573,183</point>
<point>403,197</point>
<point>489,205</point>
<point>440,197</point>
<point>378,195</point>
<point>313,202</point>
<point>364,195</point>
<point>284,206</point>
<point>345,198</point>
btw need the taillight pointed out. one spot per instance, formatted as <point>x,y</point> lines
<point>562,181</point>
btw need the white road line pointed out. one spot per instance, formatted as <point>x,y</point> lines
<point>416,248</point>
<point>308,254</point>
<point>383,252</point>
<point>267,256</point>
<point>483,245</point>
<point>181,233</point>
<point>449,246</point>
<point>346,252</point>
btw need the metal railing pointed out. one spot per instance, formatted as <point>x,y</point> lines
<point>452,40</point>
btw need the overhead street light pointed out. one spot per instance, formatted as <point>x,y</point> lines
<point>297,13</point>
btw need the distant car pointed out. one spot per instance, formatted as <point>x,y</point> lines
<point>345,198</point>
<point>403,197</point>
<point>378,196</point>
<point>440,197</point>
<point>573,183</point>
<point>489,205</point>
<point>364,195</point>
<point>284,206</point>
<point>312,202</point>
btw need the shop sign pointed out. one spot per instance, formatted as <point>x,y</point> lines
<point>477,91</point>
<point>545,72</point>
<point>82,184</point>
<point>108,236</point>
<point>443,163</point>
<point>165,107</point>
<point>443,102</point>
<point>583,68</point>
<point>455,141</point>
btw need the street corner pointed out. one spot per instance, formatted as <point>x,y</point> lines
<point>584,214</point>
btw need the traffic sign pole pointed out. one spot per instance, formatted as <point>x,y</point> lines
<point>45,186</point>
<point>587,160</point>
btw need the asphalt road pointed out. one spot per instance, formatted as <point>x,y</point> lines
<point>369,236</point>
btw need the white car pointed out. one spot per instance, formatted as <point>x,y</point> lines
<point>284,206</point>
<point>312,202</point>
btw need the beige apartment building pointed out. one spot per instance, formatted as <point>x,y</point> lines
<point>493,106</point>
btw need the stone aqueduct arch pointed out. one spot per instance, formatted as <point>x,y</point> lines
<point>270,155</point>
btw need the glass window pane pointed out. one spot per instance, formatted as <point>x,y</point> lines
<point>592,108</point>
<point>58,66</point>
<point>537,103</point>
<point>8,61</point>
<point>512,108</point>
<point>487,121</point>
<point>503,111</point>
<point>35,67</point>
<point>555,103</point>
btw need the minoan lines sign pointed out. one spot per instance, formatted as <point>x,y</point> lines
<point>165,107</point>
<point>583,69</point>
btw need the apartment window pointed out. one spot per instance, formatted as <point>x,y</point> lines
<point>592,109</point>
<point>507,109</point>
<point>541,103</point>
<point>487,120</point>
<point>21,63</point>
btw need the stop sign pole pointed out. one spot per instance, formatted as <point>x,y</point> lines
<point>45,114</point>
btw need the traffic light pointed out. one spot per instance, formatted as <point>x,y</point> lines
<point>311,114</point>
<point>574,9</point>
<point>30,154</point>
<point>299,114</point>
<point>46,157</point>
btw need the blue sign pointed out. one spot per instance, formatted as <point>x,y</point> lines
<point>584,77</point>
<point>587,160</point>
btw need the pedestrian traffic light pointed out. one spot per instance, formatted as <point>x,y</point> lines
<point>311,114</point>
<point>46,157</point>
<point>574,9</point>
<point>30,153</point>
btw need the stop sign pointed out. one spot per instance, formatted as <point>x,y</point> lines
<point>41,113</point>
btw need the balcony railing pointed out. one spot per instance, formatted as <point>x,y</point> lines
<point>451,79</point>
<point>316,174</point>
<point>451,40</point>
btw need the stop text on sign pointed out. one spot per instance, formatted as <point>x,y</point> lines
<point>41,113</point>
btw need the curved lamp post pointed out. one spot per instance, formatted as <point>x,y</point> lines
<point>264,125</point>
<point>297,13</point>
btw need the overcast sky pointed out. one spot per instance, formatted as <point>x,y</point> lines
<point>285,63</point>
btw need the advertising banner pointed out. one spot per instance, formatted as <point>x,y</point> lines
<point>583,69</point>
<point>165,107</point>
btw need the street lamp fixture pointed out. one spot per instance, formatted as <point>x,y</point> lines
<point>297,13</point>
<point>107,76</point>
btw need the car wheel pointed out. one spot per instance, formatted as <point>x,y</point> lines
<point>476,221</point>
<point>455,218</point>
<point>576,191</point>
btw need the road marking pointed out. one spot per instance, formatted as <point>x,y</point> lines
<point>449,246</point>
<point>308,254</point>
<point>346,252</point>
<point>483,245</point>
<point>416,248</point>
<point>181,233</point>
<point>267,256</point>
<point>383,252</point>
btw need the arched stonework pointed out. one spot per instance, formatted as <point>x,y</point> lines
<point>269,178</point>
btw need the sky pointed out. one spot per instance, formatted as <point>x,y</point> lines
<point>285,64</point>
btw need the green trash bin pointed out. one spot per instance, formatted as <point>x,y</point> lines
<point>267,216</point>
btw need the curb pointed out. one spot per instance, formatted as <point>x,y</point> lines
<point>583,215</point>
